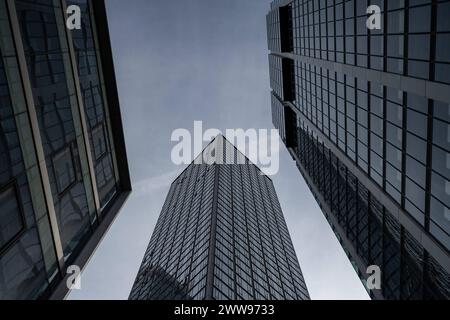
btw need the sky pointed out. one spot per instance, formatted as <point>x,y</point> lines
<point>180,61</point>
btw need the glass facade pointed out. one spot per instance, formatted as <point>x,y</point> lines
<point>45,55</point>
<point>221,235</point>
<point>97,116</point>
<point>50,207</point>
<point>22,270</point>
<point>368,129</point>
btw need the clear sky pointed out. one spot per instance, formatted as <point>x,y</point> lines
<point>179,61</point>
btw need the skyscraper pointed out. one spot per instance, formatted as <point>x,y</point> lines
<point>221,235</point>
<point>63,164</point>
<point>366,116</point>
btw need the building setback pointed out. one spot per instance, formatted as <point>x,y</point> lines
<point>63,164</point>
<point>366,116</point>
<point>221,235</point>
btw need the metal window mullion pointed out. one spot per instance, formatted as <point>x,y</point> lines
<point>369,129</point>
<point>212,238</point>
<point>406,38</point>
<point>433,38</point>
<point>250,258</point>
<point>346,114</point>
<point>429,166</point>
<point>402,263</point>
<point>233,223</point>
<point>344,34</point>
<point>384,173</point>
<point>404,145</point>
<point>334,36</point>
<point>34,123</point>
<point>385,34</point>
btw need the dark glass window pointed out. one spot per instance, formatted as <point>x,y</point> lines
<point>417,147</point>
<point>396,21</point>
<point>440,221</point>
<point>420,19</point>
<point>441,136</point>
<point>46,54</point>
<point>11,218</point>
<point>441,162</point>
<point>440,188</point>
<point>417,103</point>
<point>94,103</point>
<point>417,123</point>
<point>419,46</point>
<point>395,46</point>
<point>394,113</point>
<point>443,47</point>
<point>443,72</point>
<point>443,14</point>
<point>99,140</point>
<point>64,169</point>
<point>415,169</point>
<point>442,111</point>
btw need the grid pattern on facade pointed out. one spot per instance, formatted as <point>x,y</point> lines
<point>372,124</point>
<point>409,272</point>
<point>221,235</point>
<point>276,75</point>
<point>255,258</point>
<point>22,270</point>
<point>48,206</point>
<point>395,137</point>
<point>273,31</point>
<point>179,244</point>
<point>94,104</point>
<point>278,116</point>
<point>54,106</point>
<point>414,40</point>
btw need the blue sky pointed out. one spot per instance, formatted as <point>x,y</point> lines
<point>179,61</point>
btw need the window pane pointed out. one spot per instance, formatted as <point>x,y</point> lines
<point>99,141</point>
<point>11,222</point>
<point>420,19</point>
<point>419,47</point>
<point>64,169</point>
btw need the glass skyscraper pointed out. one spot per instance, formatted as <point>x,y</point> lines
<point>63,164</point>
<point>221,235</point>
<point>366,116</point>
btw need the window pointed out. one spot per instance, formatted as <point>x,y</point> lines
<point>440,221</point>
<point>11,217</point>
<point>99,141</point>
<point>64,169</point>
<point>420,19</point>
<point>443,12</point>
<point>419,46</point>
